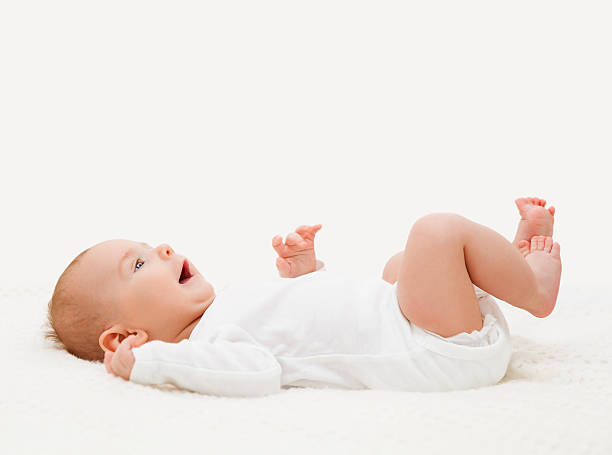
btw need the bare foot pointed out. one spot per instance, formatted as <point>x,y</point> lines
<point>535,219</point>
<point>543,256</point>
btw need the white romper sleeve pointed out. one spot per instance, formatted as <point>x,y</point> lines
<point>230,363</point>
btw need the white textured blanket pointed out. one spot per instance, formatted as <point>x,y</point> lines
<point>555,398</point>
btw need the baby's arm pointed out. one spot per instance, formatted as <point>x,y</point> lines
<point>296,256</point>
<point>231,363</point>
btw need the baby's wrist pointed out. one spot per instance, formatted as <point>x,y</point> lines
<point>318,265</point>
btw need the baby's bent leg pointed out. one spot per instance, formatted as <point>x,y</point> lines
<point>446,253</point>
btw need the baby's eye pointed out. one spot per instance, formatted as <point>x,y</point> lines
<point>136,267</point>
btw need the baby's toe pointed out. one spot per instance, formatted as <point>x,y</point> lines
<point>537,242</point>
<point>541,242</point>
<point>521,202</point>
<point>548,243</point>
<point>556,250</point>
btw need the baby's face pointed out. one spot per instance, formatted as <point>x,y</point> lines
<point>153,291</point>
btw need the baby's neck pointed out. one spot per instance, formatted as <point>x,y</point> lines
<point>186,332</point>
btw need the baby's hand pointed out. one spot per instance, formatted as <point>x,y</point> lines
<point>121,362</point>
<point>296,255</point>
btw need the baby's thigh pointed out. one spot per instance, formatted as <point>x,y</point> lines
<point>434,289</point>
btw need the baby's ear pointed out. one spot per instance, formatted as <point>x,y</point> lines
<point>141,337</point>
<point>111,338</point>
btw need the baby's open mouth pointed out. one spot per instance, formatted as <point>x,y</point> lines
<point>185,273</point>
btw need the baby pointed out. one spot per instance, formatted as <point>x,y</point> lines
<point>430,323</point>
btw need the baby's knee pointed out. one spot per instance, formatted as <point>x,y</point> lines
<point>439,225</point>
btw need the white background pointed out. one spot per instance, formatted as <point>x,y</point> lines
<point>214,126</point>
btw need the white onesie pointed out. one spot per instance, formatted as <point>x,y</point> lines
<point>322,329</point>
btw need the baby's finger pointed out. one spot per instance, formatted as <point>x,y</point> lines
<point>279,247</point>
<point>308,232</point>
<point>294,239</point>
<point>123,347</point>
<point>284,268</point>
<point>314,229</point>
<point>128,343</point>
<point>121,360</point>
<point>131,341</point>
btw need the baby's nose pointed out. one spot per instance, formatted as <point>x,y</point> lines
<point>165,250</point>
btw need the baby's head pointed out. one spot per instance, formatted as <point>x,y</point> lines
<point>119,288</point>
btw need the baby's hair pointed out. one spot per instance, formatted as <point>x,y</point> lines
<point>73,324</point>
